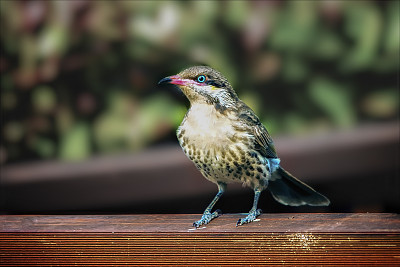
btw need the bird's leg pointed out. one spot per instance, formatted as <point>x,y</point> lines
<point>254,212</point>
<point>207,215</point>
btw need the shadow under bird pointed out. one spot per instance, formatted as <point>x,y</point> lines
<point>226,141</point>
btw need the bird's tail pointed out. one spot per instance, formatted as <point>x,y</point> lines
<point>288,190</point>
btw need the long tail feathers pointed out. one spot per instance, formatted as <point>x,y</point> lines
<point>288,190</point>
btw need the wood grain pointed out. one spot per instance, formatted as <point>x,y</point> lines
<point>292,239</point>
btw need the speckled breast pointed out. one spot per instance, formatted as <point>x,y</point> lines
<point>222,151</point>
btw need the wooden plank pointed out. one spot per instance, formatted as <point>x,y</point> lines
<point>197,249</point>
<point>292,239</point>
<point>182,223</point>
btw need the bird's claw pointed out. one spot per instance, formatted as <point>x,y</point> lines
<point>206,218</point>
<point>250,217</point>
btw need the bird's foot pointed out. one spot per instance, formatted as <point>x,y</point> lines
<point>250,217</point>
<point>206,218</point>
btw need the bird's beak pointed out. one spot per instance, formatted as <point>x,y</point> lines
<point>165,80</point>
<point>172,80</point>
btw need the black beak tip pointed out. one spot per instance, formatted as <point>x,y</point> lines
<point>165,80</point>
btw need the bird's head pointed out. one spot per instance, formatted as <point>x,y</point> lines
<point>202,84</point>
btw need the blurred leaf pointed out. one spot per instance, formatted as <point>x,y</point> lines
<point>158,28</point>
<point>327,46</point>
<point>334,99</point>
<point>64,119</point>
<point>295,29</point>
<point>110,132</point>
<point>389,61</point>
<point>364,26</point>
<point>235,13</point>
<point>121,103</point>
<point>43,99</point>
<point>392,37</point>
<point>294,69</point>
<point>382,103</point>
<point>206,10</point>
<point>45,148</point>
<point>53,41</point>
<point>13,131</point>
<point>161,107</point>
<point>28,52</point>
<point>111,129</point>
<point>11,25</point>
<point>155,112</point>
<point>75,143</point>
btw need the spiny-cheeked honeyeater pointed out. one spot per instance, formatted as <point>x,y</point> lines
<point>227,143</point>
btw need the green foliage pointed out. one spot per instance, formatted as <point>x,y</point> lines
<point>75,143</point>
<point>46,148</point>
<point>79,78</point>
<point>382,104</point>
<point>43,99</point>
<point>334,99</point>
<point>364,27</point>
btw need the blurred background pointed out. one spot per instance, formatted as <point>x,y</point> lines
<point>86,129</point>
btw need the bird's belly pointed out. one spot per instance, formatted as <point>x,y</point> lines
<point>231,162</point>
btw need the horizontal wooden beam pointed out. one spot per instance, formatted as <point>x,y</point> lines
<point>335,161</point>
<point>292,239</point>
<point>182,223</point>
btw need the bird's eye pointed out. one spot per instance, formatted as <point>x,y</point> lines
<point>201,79</point>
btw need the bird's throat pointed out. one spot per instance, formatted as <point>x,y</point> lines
<point>205,126</point>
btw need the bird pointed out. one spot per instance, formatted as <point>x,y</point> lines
<point>227,143</point>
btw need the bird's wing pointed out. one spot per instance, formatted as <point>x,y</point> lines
<point>263,141</point>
